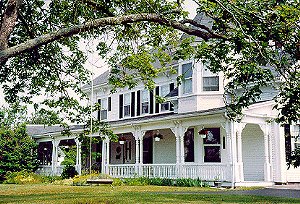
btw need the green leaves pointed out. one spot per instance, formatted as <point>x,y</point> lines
<point>17,150</point>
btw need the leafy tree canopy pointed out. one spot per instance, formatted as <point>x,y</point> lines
<point>18,151</point>
<point>39,47</point>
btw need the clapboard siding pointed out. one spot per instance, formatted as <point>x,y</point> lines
<point>293,175</point>
<point>253,153</point>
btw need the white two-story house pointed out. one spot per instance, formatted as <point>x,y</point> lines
<point>189,134</point>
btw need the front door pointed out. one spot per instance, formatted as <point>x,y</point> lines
<point>148,150</point>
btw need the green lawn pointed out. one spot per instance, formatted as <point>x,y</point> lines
<point>121,194</point>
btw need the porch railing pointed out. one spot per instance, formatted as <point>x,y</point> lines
<point>207,172</point>
<point>122,170</point>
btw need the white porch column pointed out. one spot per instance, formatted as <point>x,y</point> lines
<point>107,156</point>
<point>179,132</point>
<point>240,165</point>
<point>78,156</point>
<point>55,144</point>
<point>267,164</point>
<point>137,134</point>
<point>103,164</point>
<point>176,133</point>
<point>229,138</point>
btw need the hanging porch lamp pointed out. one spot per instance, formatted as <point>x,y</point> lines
<point>203,133</point>
<point>122,140</point>
<point>158,136</point>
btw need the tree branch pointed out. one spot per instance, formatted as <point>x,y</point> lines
<point>8,21</point>
<point>102,22</point>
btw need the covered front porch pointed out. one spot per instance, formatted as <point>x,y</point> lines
<point>171,149</point>
<point>231,152</point>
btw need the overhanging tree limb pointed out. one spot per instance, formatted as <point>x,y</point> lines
<point>102,22</point>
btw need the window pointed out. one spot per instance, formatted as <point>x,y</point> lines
<point>127,104</point>
<point>212,145</point>
<point>103,111</point>
<point>165,90</point>
<point>187,73</point>
<point>211,83</point>
<point>189,145</point>
<point>145,101</point>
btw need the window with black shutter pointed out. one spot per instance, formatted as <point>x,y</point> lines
<point>138,103</point>
<point>157,104</point>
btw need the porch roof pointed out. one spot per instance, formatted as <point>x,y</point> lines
<point>37,131</point>
<point>167,116</point>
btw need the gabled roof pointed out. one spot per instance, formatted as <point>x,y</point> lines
<point>101,79</point>
<point>39,130</point>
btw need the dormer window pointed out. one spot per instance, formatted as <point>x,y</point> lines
<point>145,102</point>
<point>187,73</point>
<point>127,104</point>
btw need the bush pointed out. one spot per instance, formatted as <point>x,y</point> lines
<point>68,172</point>
<point>18,151</point>
<point>22,177</point>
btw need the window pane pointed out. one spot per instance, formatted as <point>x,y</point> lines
<point>165,90</point>
<point>126,110</point>
<point>165,106</point>
<point>103,114</point>
<point>145,108</point>
<point>145,95</point>
<point>104,104</point>
<point>212,154</point>
<point>213,136</point>
<point>211,83</point>
<point>187,86</point>
<point>187,71</point>
<point>127,99</point>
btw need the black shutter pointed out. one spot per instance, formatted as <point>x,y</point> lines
<point>121,106</point>
<point>109,103</point>
<point>151,101</point>
<point>171,87</point>
<point>157,104</point>
<point>99,111</point>
<point>138,105</point>
<point>171,104</point>
<point>132,104</point>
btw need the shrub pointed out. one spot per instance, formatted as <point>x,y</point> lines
<point>18,151</point>
<point>22,177</point>
<point>68,172</point>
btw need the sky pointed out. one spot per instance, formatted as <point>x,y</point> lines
<point>95,63</point>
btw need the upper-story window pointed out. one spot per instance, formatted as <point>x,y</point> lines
<point>105,106</point>
<point>211,83</point>
<point>127,104</point>
<point>145,101</point>
<point>165,90</point>
<point>187,73</point>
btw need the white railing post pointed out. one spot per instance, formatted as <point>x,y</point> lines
<point>78,156</point>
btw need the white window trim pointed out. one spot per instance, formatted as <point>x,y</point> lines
<point>102,108</point>
<point>210,90</point>
<point>189,78</point>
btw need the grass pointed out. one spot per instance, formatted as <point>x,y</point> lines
<point>42,193</point>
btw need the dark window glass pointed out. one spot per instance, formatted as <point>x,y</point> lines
<point>212,154</point>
